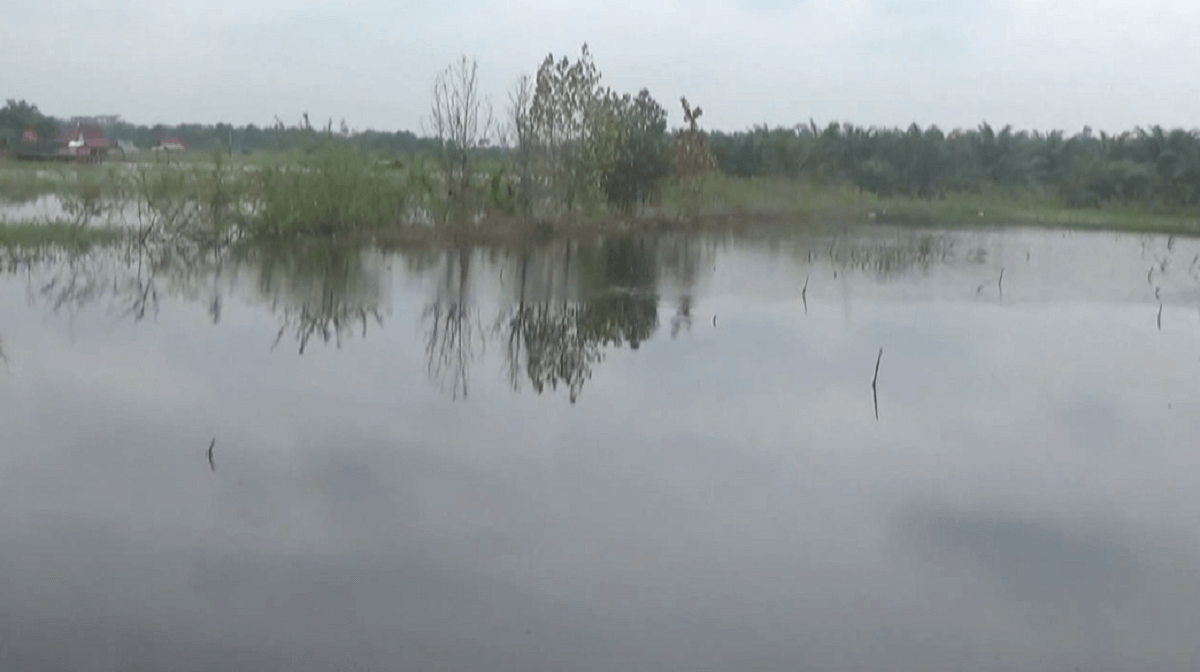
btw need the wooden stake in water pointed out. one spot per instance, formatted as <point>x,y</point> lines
<point>874,380</point>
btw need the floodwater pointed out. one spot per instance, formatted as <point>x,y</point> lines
<point>659,454</point>
<point>41,208</point>
<point>52,208</point>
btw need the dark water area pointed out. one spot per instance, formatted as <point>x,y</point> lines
<point>656,454</point>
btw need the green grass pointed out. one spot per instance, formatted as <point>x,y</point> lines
<point>337,189</point>
<point>57,234</point>
<point>26,180</point>
<point>793,200</point>
<point>331,189</point>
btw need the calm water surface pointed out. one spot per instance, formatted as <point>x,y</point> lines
<point>640,455</point>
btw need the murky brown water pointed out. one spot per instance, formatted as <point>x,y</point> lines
<point>400,479</point>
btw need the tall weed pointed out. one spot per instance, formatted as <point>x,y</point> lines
<point>331,187</point>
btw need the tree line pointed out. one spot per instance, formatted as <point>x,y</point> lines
<point>1087,169</point>
<point>254,138</point>
<point>18,115</point>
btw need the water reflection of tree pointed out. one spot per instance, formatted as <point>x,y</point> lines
<point>684,259</point>
<point>132,278</point>
<point>570,303</point>
<point>682,320</point>
<point>455,334</point>
<point>316,291</point>
<point>152,268</point>
<point>554,341</point>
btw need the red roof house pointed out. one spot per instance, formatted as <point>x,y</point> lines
<point>84,142</point>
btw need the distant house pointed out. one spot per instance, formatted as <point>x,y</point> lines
<point>170,145</point>
<point>34,148</point>
<point>78,143</point>
<point>86,143</point>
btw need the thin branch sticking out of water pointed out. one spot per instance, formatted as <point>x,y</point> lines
<point>878,359</point>
<point>874,380</point>
<point>804,294</point>
<point>1160,317</point>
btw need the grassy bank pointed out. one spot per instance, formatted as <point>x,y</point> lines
<point>344,193</point>
<point>783,200</point>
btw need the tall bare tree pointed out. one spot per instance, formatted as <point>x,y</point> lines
<point>461,121</point>
<point>522,135</point>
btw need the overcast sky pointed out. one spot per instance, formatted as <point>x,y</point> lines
<point>1032,63</point>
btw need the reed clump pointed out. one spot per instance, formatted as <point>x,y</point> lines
<point>326,189</point>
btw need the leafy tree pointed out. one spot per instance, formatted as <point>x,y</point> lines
<point>630,148</point>
<point>564,106</point>
<point>17,115</point>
